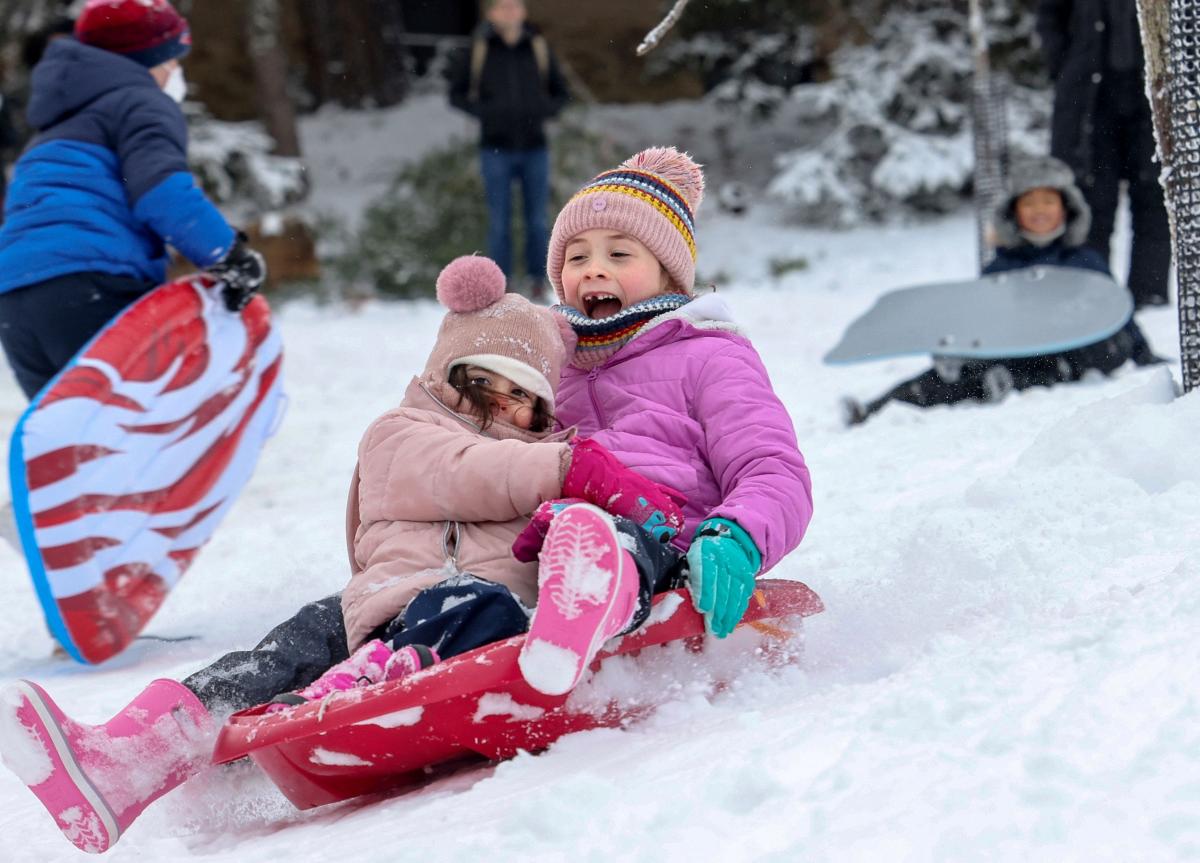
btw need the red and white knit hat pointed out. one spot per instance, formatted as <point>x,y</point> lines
<point>149,32</point>
<point>503,333</point>
<point>652,197</point>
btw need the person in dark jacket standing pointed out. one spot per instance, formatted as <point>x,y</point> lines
<point>1102,128</point>
<point>510,80</point>
<point>1043,221</point>
<point>102,187</point>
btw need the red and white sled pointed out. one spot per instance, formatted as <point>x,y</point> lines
<point>127,461</point>
<point>476,707</point>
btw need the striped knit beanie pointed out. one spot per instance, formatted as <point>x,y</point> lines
<point>652,197</point>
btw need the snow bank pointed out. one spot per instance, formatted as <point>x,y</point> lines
<point>1006,669</point>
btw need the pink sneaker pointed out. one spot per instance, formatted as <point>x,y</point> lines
<point>587,593</point>
<point>374,662</point>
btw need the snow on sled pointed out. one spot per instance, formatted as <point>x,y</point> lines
<point>476,707</point>
<point>1019,313</point>
<point>126,462</point>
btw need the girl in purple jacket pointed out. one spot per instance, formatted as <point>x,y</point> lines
<point>667,383</point>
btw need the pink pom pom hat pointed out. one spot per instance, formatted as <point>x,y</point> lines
<point>503,333</point>
<point>652,197</point>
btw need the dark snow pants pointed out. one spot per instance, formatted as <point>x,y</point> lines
<point>1123,149</point>
<point>44,325</point>
<point>453,617</point>
<point>978,381</point>
<point>974,384</point>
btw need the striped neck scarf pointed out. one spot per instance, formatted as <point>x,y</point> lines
<point>599,340</point>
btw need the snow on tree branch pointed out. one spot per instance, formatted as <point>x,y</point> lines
<point>655,36</point>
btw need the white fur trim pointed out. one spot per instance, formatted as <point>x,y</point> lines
<point>516,371</point>
<point>709,307</point>
<point>705,312</point>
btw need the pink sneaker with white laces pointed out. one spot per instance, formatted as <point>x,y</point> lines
<point>373,662</point>
<point>587,593</point>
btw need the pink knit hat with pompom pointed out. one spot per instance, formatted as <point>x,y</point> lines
<point>652,197</point>
<point>504,333</point>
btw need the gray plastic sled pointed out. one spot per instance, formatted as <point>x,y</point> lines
<point>1022,313</point>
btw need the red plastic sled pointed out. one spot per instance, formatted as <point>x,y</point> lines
<point>476,706</point>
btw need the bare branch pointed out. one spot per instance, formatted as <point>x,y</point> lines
<point>655,36</point>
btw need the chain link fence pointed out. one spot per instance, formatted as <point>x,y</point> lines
<point>1183,179</point>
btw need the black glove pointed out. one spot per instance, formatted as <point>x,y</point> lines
<point>243,272</point>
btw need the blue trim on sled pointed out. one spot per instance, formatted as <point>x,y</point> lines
<point>19,485</point>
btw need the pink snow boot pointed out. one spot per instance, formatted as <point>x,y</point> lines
<point>374,662</point>
<point>96,779</point>
<point>587,593</point>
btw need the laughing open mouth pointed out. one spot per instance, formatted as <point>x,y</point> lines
<point>600,305</point>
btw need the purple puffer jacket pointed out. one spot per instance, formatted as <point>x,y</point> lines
<point>688,403</point>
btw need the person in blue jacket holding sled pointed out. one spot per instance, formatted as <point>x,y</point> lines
<point>103,187</point>
<point>1043,221</point>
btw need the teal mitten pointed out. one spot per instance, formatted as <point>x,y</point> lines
<point>722,563</point>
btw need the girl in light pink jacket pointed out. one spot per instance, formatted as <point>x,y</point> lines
<point>446,482</point>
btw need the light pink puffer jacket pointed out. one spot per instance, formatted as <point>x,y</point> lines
<point>432,496</point>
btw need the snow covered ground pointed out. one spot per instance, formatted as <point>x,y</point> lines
<point>1008,667</point>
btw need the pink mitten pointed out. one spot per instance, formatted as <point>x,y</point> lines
<point>597,476</point>
<point>529,541</point>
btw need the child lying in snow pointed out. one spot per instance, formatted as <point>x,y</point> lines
<point>1042,222</point>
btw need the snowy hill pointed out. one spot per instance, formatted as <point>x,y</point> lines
<point>1007,669</point>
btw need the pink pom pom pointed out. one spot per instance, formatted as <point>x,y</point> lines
<point>470,283</point>
<point>676,168</point>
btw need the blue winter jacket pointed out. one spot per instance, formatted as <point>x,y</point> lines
<point>1054,255</point>
<point>1105,355</point>
<point>105,182</point>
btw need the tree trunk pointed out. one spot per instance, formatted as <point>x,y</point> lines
<point>270,75</point>
<point>320,46</point>
<point>1171,38</point>
<point>355,50</point>
<point>388,73</point>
